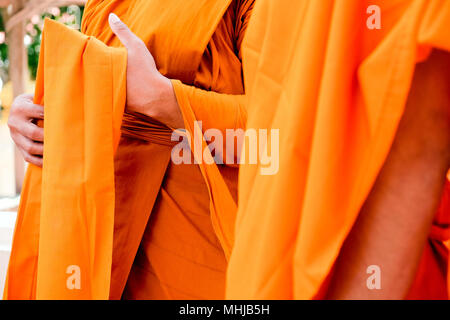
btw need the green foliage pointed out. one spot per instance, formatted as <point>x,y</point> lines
<point>3,46</point>
<point>70,16</point>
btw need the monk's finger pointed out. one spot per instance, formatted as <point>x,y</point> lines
<point>28,97</point>
<point>34,111</point>
<point>28,146</point>
<point>33,132</point>
<point>37,161</point>
<point>121,30</point>
<point>23,106</point>
<point>26,127</point>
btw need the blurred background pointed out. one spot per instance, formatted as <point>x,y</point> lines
<point>21,24</point>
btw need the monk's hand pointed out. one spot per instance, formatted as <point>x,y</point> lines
<point>25,133</point>
<point>148,91</point>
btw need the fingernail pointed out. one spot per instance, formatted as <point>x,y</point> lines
<point>113,18</point>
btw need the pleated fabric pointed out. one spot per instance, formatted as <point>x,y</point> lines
<point>181,217</point>
<point>65,220</point>
<point>336,89</point>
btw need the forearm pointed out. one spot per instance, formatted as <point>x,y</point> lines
<point>221,117</point>
<point>395,221</point>
<point>215,110</point>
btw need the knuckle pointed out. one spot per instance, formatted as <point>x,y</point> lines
<point>27,110</point>
<point>34,134</point>
<point>26,157</point>
<point>20,100</point>
<point>24,97</point>
<point>28,147</point>
<point>34,149</point>
<point>19,107</point>
<point>16,106</point>
<point>10,123</point>
<point>13,125</point>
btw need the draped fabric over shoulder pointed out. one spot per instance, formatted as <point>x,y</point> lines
<point>337,90</point>
<point>112,216</point>
<point>66,215</point>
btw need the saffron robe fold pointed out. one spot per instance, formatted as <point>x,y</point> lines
<point>432,280</point>
<point>182,255</point>
<point>337,91</point>
<point>179,35</point>
<point>66,215</point>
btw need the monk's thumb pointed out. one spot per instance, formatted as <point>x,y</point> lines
<point>122,31</point>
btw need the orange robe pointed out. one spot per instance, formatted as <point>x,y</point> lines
<point>95,207</point>
<point>337,90</point>
<point>432,280</point>
<point>180,255</point>
<point>66,214</point>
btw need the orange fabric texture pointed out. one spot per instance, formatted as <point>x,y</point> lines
<point>337,91</point>
<point>193,43</point>
<point>432,280</point>
<point>66,213</point>
<point>181,253</point>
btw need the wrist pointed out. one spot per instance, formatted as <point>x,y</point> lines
<point>154,100</point>
<point>168,110</point>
